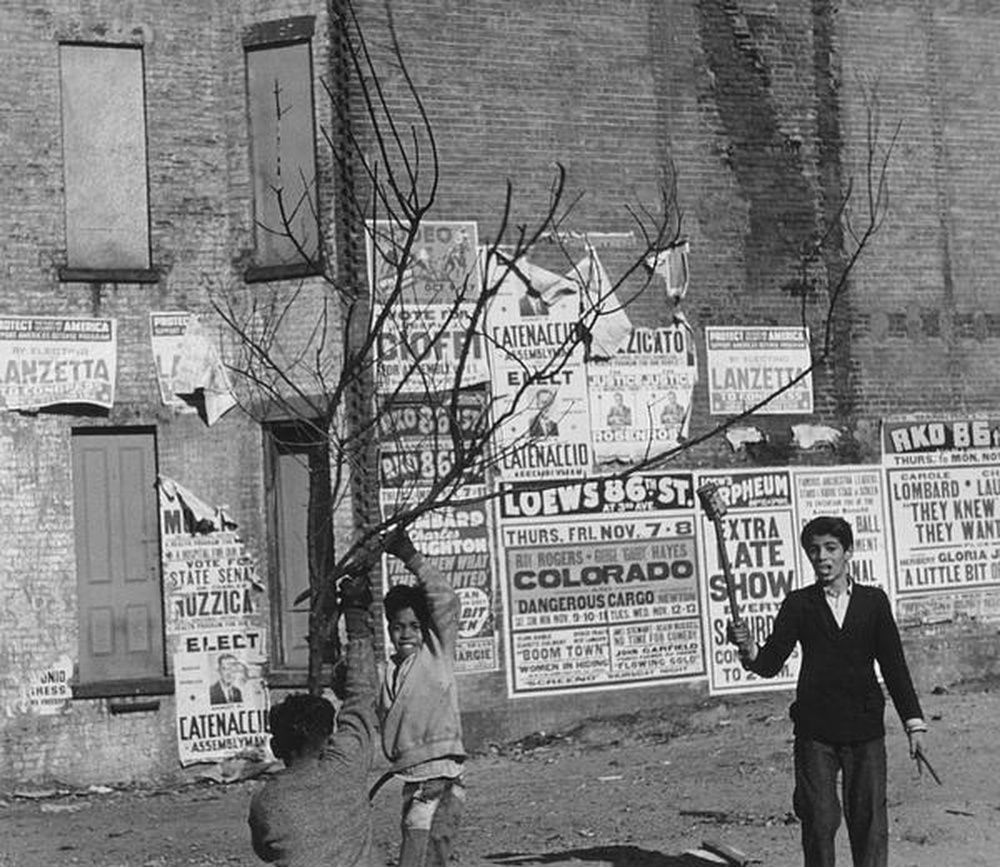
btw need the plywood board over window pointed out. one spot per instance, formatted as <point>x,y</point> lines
<point>104,159</point>
<point>280,107</point>
<point>297,470</point>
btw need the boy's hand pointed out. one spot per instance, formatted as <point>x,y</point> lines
<point>399,544</point>
<point>738,633</point>
<point>355,595</point>
<point>918,753</point>
<point>355,591</point>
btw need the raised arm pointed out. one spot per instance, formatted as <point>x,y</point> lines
<point>356,721</point>
<point>442,600</point>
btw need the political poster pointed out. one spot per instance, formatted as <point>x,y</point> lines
<point>188,365</point>
<point>761,542</point>
<point>424,307</point>
<point>539,382</point>
<point>216,630</point>
<point>640,398</point>
<point>600,583</point>
<point>54,360</point>
<point>856,494</point>
<point>747,365</point>
<point>943,485</point>
<point>432,348</point>
<point>222,707</point>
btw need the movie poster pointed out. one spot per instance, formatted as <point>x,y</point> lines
<point>943,484</point>
<point>855,494</point>
<point>456,537</point>
<point>415,448</point>
<point>600,583</point>
<point>761,541</point>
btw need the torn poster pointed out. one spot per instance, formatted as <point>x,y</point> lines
<point>602,313</point>
<point>188,366</point>
<point>216,626</point>
<point>671,266</point>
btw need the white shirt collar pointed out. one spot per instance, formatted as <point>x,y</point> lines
<point>847,590</point>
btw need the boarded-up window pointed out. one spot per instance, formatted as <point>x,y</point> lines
<point>117,556</point>
<point>283,155</point>
<point>298,467</point>
<point>104,157</point>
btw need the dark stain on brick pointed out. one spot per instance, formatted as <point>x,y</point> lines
<point>827,74</point>
<point>766,163</point>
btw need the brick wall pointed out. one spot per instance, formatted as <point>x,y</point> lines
<point>927,336</point>
<point>200,221</point>
<point>747,101</point>
<point>760,108</point>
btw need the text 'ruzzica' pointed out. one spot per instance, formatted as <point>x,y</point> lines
<point>204,603</point>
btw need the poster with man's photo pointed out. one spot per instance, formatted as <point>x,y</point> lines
<point>539,383</point>
<point>640,398</point>
<point>222,705</point>
<point>216,629</point>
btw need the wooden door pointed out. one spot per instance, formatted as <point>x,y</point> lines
<point>117,555</point>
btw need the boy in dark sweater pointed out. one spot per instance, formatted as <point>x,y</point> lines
<point>316,812</point>
<point>838,711</point>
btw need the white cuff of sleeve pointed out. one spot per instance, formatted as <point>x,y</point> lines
<point>915,725</point>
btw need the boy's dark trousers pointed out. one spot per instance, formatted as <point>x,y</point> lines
<point>863,766</point>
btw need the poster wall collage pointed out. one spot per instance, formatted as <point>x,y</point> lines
<point>607,578</point>
<point>574,573</point>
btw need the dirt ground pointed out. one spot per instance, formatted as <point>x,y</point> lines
<point>640,790</point>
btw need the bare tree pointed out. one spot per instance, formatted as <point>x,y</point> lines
<point>318,353</point>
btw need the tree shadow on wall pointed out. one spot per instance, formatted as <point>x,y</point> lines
<point>618,856</point>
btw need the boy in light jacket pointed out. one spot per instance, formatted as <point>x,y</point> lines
<point>418,707</point>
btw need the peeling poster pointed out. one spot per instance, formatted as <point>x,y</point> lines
<point>216,615</point>
<point>188,366</point>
